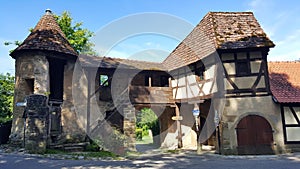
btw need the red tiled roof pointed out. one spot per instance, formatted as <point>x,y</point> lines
<point>285,81</point>
<point>46,35</point>
<point>218,30</point>
<point>108,62</point>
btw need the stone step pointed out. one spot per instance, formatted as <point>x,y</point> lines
<point>74,149</point>
<point>70,147</point>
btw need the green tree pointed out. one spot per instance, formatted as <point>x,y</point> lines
<point>146,120</point>
<point>6,97</point>
<point>146,116</point>
<point>78,37</point>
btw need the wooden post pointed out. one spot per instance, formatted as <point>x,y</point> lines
<point>199,145</point>
<point>179,137</point>
<point>170,82</point>
<point>150,81</point>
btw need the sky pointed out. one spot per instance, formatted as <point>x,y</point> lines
<point>279,19</point>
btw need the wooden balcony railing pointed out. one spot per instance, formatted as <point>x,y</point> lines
<point>143,94</point>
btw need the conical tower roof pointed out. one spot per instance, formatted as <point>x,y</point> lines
<point>46,36</point>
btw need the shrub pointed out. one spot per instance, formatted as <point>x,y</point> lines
<point>146,120</point>
<point>139,134</point>
<point>6,97</point>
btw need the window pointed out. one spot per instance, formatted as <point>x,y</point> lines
<point>104,80</point>
<point>242,68</point>
<point>198,69</point>
<point>29,83</point>
<point>200,72</point>
<point>164,81</point>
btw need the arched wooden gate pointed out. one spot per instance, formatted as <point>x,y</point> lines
<point>254,135</point>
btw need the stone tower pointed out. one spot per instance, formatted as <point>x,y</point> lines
<point>44,64</point>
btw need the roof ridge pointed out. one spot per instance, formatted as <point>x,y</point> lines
<point>288,61</point>
<point>228,12</point>
<point>109,57</point>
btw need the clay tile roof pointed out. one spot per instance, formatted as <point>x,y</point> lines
<point>218,30</point>
<point>108,62</point>
<point>285,81</point>
<point>46,35</point>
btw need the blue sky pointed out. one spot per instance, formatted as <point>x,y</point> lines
<point>279,19</point>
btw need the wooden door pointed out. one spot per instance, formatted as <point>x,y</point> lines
<point>254,136</point>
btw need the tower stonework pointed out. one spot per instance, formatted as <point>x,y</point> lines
<point>40,63</point>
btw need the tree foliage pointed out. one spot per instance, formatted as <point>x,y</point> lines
<point>146,120</point>
<point>77,36</point>
<point>6,96</point>
<point>146,116</point>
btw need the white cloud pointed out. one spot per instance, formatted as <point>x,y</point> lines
<point>287,48</point>
<point>279,22</point>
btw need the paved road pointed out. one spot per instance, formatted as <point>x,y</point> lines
<point>160,161</point>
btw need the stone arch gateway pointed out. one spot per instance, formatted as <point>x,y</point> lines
<point>254,135</point>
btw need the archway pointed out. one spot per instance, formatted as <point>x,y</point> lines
<point>147,130</point>
<point>254,135</point>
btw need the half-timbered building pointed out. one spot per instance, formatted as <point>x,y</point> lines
<point>213,89</point>
<point>284,85</point>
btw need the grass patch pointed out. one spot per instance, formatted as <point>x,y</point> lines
<point>132,154</point>
<point>176,151</point>
<point>145,140</point>
<point>55,151</point>
<point>87,154</point>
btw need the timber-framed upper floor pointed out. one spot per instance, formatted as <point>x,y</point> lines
<point>227,45</point>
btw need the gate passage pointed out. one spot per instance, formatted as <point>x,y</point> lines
<point>254,135</point>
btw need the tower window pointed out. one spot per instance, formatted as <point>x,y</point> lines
<point>29,86</point>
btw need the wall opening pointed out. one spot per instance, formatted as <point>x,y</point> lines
<point>29,85</point>
<point>254,136</point>
<point>56,79</point>
<point>147,130</point>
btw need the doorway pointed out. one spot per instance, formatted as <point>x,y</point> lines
<point>254,135</point>
<point>147,130</point>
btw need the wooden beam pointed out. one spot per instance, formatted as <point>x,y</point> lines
<point>179,137</point>
<point>283,124</point>
<point>170,82</point>
<point>150,80</point>
<point>295,115</point>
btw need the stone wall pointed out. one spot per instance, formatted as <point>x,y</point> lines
<point>238,108</point>
<point>73,127</point>
<point>129,127</point>
<point>32,77</point>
